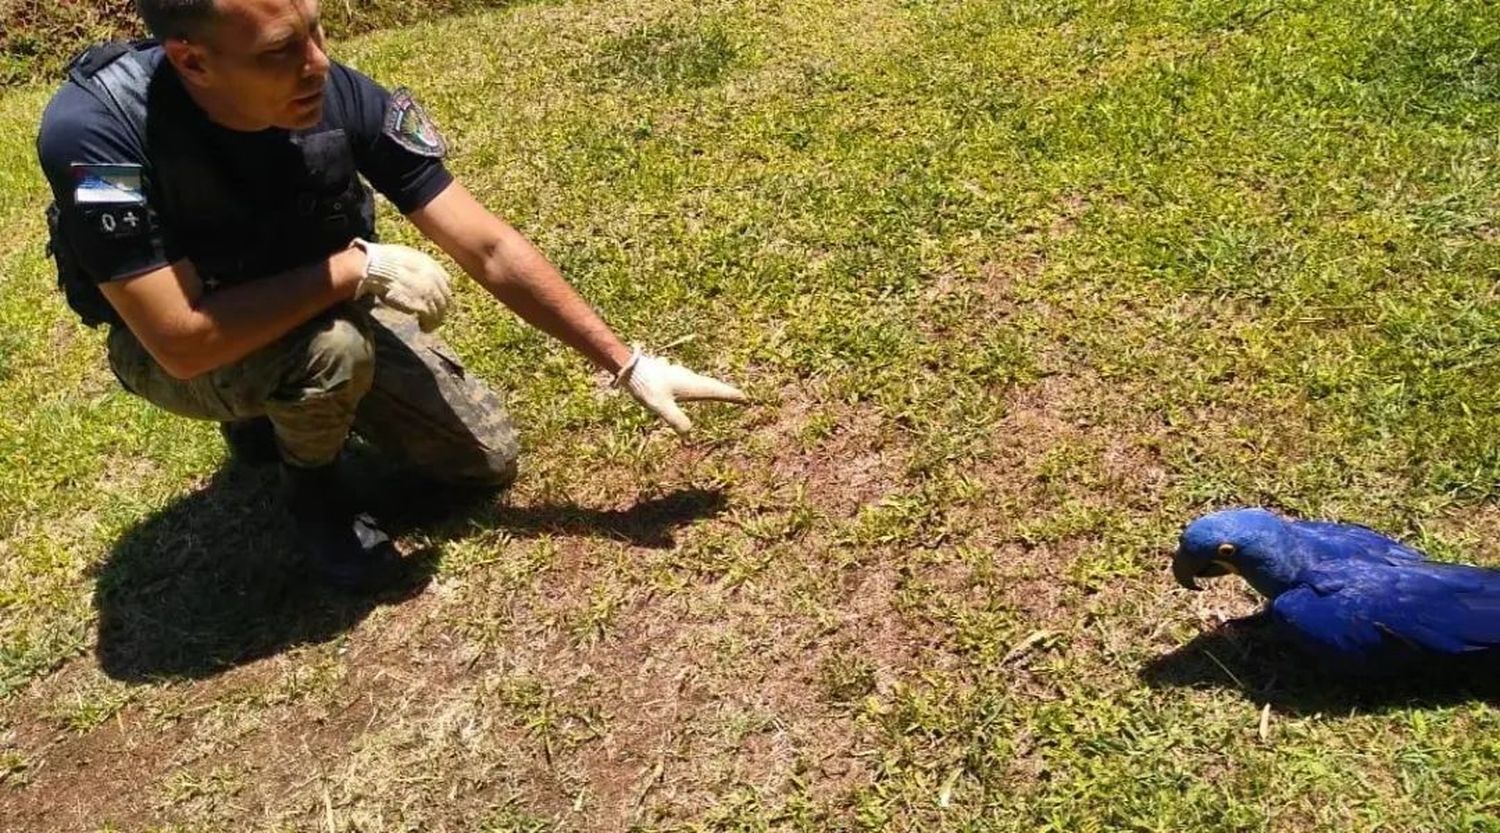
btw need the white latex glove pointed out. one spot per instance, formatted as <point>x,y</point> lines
<point>660,385</point>
<point>407,280</point>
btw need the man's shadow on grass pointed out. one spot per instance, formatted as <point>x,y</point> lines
<point>214,580</point>
<point>1254,657</point>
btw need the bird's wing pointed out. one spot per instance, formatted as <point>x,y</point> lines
<point>1355,541</point>
<point>1354,609</point>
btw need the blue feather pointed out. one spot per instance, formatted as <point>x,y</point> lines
<point>1347,591</point>
<point>1354,541</point>
<point>1363,609</point>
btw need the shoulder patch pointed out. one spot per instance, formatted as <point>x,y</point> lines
<point>107,184</point>
<point>110,201</point>
<point>409,126</point>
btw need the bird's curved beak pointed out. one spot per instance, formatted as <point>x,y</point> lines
<point>1187,570</point>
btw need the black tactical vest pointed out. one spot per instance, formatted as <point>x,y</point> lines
<point>235,224</point>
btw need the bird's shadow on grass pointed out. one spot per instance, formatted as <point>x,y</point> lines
<point>214,581</point>
<point>1252,656</point>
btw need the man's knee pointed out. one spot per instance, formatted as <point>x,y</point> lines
<point>492,469</point>
<point>492,460</point>
<point>338,356</point>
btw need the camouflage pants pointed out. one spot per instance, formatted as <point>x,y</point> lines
<point>351,368</point>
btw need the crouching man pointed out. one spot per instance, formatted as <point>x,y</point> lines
<point>209,209</point>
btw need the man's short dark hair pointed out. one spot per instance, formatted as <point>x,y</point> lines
<point>175,18</point>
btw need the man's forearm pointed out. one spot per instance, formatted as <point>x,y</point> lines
<point>512,269</point>
<point>223,327</point>
<point>519,276</point>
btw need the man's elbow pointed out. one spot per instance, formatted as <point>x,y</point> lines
<point>184,369</point>
<point>180,353</point>
<point>495,266</point>
<point>182,365</point>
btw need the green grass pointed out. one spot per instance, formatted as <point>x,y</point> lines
<point>1020,287</point>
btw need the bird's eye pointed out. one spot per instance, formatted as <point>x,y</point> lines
<point>1226,550</point>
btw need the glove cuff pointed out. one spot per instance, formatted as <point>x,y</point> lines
<point>623,377</point>
<point>365,246</point>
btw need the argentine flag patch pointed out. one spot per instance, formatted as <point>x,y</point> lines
<point>107,185</point>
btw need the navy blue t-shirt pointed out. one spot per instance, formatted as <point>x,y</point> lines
<point>239,205</point>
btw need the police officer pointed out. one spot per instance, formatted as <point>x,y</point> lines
<point>209,209</point>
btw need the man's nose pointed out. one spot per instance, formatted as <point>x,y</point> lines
<point>317,61</point>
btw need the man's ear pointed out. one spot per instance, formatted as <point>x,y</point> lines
<point>189,59</point>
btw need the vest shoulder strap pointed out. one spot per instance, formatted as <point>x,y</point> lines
<point>119,75</point>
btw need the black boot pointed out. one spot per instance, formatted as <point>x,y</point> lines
<point>251,441</point>
<point>343,547</point>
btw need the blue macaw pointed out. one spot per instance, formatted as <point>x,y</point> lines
<point>1347,592</point>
